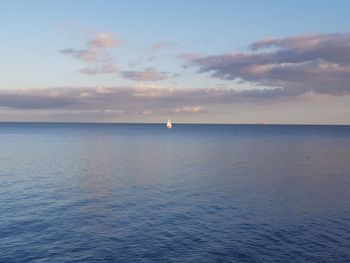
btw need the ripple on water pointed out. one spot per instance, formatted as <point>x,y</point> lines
<point>134,193</point>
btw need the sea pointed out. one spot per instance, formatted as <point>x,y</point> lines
<point>73,192</point>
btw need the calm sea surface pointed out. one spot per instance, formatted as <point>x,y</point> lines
<point>194,193</point>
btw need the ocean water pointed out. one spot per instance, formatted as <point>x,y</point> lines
<point>194,193</point>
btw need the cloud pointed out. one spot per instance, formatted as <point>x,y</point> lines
<point>189,109</point>
<point>162,45</point>
<point>104,40</point>
<point>137,99</point>
<point>95,56</point>
<point>148,74</point>
<point>103,69</point>
<point>314,63</point>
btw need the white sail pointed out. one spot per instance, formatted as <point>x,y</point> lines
<point>169,124</point>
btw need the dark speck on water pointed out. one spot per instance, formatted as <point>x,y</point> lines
<point>195,193</point>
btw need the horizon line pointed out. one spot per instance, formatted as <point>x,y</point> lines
<point>174,123</point>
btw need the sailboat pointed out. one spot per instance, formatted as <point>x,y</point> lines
<point>169,124</point>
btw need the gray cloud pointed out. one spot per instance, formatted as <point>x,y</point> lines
<point>95,55</point>
<point>148,74</point>
<point>141,99</point>
<point>316,63</point>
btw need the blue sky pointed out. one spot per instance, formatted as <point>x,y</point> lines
<point>169,51</point>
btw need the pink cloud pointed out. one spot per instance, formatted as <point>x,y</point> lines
<point>95,55</point>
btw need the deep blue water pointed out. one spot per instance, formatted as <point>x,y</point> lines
<point>195,193</point>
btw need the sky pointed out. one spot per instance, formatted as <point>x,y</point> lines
<point>192,61</point>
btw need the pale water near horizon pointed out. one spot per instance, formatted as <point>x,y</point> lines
<point>194,193</point>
